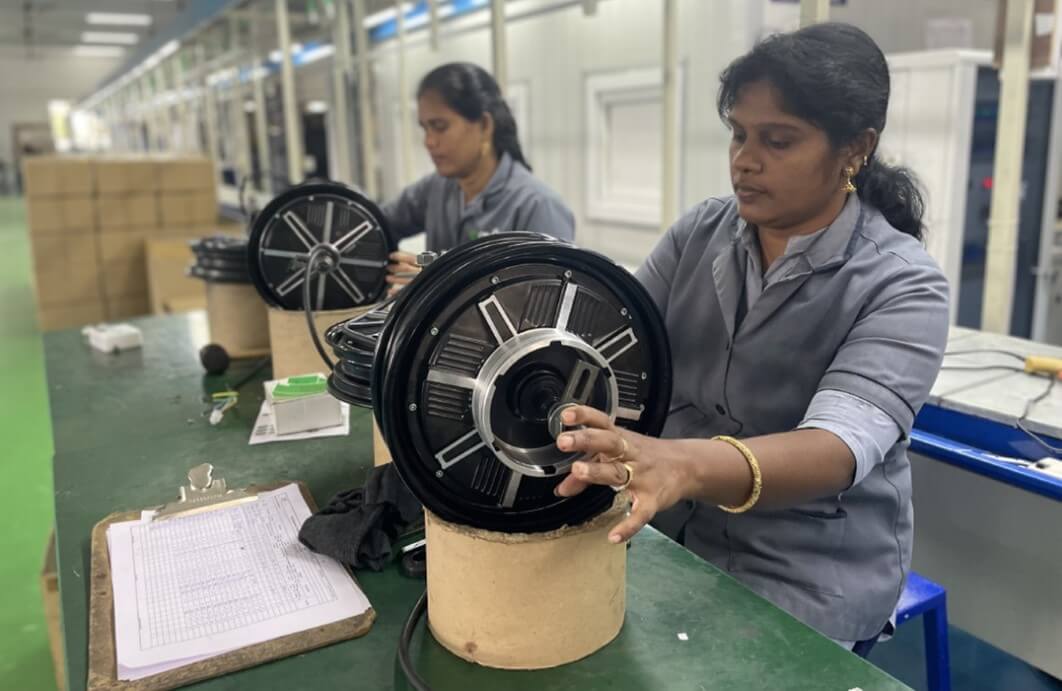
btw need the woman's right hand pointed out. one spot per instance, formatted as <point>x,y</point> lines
<point>401,270</point>
<point>615,456</point>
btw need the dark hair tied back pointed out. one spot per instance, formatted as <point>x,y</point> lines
<point>470,91</point>
<point>835,77</point>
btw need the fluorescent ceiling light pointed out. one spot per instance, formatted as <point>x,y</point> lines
<point>118,18</point>
<point>220,76</point>
<point>125,39</point>
<point>377,18</point>
<point>99,51</point>
<point>314,54</point>
<point>278,55</point>
<point>316,107</point>
<point>169,49</point>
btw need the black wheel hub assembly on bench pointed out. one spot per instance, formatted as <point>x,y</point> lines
<point>344,233</point>
<point>468,370</point>
<point>220,259</point>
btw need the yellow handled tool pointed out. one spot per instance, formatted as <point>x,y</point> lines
<point>1039,364</point>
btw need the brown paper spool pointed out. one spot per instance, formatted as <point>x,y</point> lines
<point>290,341</point>
<point>526,601</point>
<point>237,318</point>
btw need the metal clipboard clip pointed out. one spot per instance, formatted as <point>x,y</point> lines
<point>203,493</point>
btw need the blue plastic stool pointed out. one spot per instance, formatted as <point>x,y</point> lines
<point>924,597</point>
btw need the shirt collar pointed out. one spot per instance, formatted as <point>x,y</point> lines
<point>820,247</point>
<point>497,181</point>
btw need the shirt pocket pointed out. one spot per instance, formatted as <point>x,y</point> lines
<point>798,546</point>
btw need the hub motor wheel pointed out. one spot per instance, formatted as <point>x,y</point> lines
<point>476,358</point>
<point>344,232</point>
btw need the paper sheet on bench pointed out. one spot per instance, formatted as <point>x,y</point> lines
<point>192,587</point>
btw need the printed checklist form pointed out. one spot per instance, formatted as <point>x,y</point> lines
<point>191,587</point>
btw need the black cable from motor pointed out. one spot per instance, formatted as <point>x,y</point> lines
<point>1020,424</point>
<point>258,367</point>
<point>404,662</point>
<point>310,262</point>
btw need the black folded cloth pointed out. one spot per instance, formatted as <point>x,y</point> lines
<point>360,526</point>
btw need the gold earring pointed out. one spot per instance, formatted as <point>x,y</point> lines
<point>848,187</point>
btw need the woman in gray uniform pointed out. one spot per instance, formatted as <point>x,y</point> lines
<point>807,325</point>
<point>482,184</point>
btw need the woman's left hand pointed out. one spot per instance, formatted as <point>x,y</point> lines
<point>401,270</point>
<point>614,456</point>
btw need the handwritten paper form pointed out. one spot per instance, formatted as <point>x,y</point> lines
<point>192,587</point>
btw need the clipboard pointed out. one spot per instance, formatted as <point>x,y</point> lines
<point>203,493</point>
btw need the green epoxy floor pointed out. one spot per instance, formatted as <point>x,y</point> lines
<point>26,462</point>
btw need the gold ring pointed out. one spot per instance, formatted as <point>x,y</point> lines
<point>630,477</point>
<point>622,454</point>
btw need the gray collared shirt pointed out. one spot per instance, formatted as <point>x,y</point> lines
<point>867,430</point>
<point>863,311</point>
<point>513,200</point>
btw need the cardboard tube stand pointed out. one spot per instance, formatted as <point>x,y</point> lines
<point>292,345</point>
<point>237,319</point>
<point>526,601</point>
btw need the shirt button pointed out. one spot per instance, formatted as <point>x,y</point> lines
<point>720,409</point>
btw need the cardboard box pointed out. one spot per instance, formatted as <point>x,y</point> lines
<point>188,174</point>
<point>121,176</point>
<point>40,176</point>
<point>71,215</point>
<point>126,307</point>
<point>55,176</point>
<point>66,269</point>
<point>64,252</point>
<point>178,210</point>
<point>44,214</point>
<point>78,214</point>
<point>50,595</point>
<point>169,286</point>
<point>125,212</point>
<point>77,177</point>
<point>123,267</point>
<point>205,207</point>
<point>70,316</point>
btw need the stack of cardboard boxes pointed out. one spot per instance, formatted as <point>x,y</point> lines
<point>61,209</point>
<point>90,219</point>
<point>126,216</point>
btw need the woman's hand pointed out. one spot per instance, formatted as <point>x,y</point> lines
<point>655,481</point>
<point>402,269</point>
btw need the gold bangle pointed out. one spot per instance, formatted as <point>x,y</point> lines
<point>757,478</point>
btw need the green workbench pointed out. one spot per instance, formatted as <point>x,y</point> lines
<point>128,427</point>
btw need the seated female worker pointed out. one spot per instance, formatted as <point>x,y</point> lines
<point>482,184</point>
<point>807,321</point>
